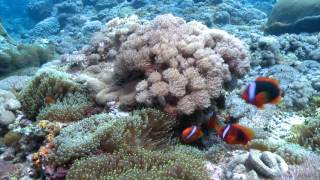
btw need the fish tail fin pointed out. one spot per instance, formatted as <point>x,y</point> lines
<point>250,133</point>
<point>277,100</point>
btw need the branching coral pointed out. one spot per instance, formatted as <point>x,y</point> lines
<point>144,128</point>
<point>47,83</point>
<point>71,108</point>
<point>139,164</point>
<point>181,65</point>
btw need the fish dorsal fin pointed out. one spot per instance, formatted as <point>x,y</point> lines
<point>270,80</point>
<point>247,131</point>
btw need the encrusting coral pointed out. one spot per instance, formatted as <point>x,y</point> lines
<point>178,64</point>
<point>48,83</point>
<point>148,128</point>
<point>139,164</point>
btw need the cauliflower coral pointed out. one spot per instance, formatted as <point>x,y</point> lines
<point>178,64</point>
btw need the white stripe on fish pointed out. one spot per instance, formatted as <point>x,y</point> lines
<point>225,131</point>
<point>193,131</point>
<point>252,91</point>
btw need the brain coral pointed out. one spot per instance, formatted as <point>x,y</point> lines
<point>181,65</point>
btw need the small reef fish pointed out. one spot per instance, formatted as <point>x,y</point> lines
<point>191,134</point>
<point>49,100</point>
<point>262,91</point>
<point>232,133</point>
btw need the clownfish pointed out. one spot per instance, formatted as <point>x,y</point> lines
<point>49,100</point>
<point>191,134</point>
<point>232,133</point>
<point>262,91</point>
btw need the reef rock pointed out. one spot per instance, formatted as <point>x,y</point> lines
<point>8,103</point>
<point>299,16</point>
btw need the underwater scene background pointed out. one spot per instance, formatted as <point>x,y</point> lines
<point>166,89</point>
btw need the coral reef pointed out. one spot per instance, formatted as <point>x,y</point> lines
<point>39,10</point>
<point>13,57</point>
<point>47,27</point>
<point>297,87</point>
<point>308,134</point>
<point>254,164</point>
<point>146,128</point>
<point>72,107</point>
<point>48,83</point>
<point>266,51</point>
<point>181,64</point>
<point>8,105</point>
<point>307,170</point>
<point>139,164</point>
<point>299,17</point>
<point>14,83</point>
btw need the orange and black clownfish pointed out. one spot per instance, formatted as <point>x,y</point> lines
<point>232,133</point>
<point>262,91</point>
<point>191,134</point>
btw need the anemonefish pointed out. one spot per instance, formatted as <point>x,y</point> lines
<point>191,134</point>
<point>49,100</point>
<point>232,133</point>
<point>262,91</point>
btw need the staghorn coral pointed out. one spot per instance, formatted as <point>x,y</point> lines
<point>147,128</point>
<point>179,64</point>
<point>70,108</point>
<point>47,82</point>
<point>139,164</point>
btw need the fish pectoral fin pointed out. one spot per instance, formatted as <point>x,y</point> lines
<point>267,79</point>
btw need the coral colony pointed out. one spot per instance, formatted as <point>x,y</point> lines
<point>144,89</point>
